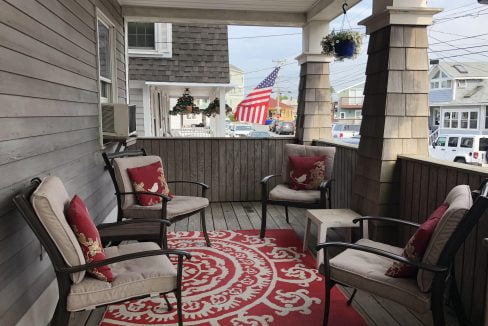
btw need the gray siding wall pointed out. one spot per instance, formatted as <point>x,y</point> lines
<point>200,55</point>
<point>135,95</point>
<point>49,125</point>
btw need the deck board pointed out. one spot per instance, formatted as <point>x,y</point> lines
<point>247,215</point>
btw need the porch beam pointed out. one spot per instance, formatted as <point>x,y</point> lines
<point>328,9</point>
<point>207,16</point>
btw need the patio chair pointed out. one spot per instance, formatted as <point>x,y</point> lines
<point>169,209</point>
<point>284,196</point>
<point>151,274</point>
<point>363,264</point>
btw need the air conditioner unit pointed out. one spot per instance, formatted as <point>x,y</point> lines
<point>118,120</point>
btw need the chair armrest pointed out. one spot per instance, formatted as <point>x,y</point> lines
<point>201,184</point>
<point>268,178</point>
<point>326,184</point>
<point>264,185</point>
<point>133,221</point>
<point>420,265</point>
<point>120,258</point>
<point>385,219</point>
<point>164,197</point>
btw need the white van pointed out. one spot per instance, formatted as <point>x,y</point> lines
<point>469,149</point>
<point>340,130</point>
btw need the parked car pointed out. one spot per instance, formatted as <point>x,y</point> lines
<point>272,126</point>
<point>259,134</point>
<point>345,130</point>
<point>284,127</point>
<point>241,130</point>
<point>469,149</point>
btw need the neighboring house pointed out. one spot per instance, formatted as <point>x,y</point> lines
<point>349,106</point>
<point>283,111</point>
<point>458,97</point>
<point>235,95</point>
<point>164,59</point>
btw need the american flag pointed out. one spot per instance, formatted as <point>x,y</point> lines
<point>254,108</point>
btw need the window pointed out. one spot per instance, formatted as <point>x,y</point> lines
<point>440,81</point>
<point>441,141</point>
<point>483,144</point>
<point>453,141</point>
<point>473,120</point>
<point>466,119</point>
<point>466,142</point>
<point>149,39</point>
<point>106,59</point>
<point>343,115</point>
<point>447,119</point>
<point>358,114</point>
<point>437,116</point>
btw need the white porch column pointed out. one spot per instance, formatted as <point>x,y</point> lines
<point>314,101</point>
<point>395,109</point>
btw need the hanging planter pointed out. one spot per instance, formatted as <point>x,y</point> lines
<point>342,45</point>
<point>185,105</point>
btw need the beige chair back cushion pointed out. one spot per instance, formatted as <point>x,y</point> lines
<point>460,201</point>
<point>50,201</point>
<point>122,177</point>
<point>304,150</point>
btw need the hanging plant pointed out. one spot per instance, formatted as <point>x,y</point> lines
<point>342,45</point>
<point>185,105</point>
<point>213,108</point>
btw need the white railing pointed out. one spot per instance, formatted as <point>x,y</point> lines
<point>192,132</point>
<point>433,136</point>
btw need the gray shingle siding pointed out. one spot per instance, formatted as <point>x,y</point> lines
<point>200,55</point>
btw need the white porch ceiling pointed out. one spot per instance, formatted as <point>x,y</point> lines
<point>235,12</point>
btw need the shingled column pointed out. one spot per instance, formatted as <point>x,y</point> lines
<point>314,101</point>
<point>395,109</point>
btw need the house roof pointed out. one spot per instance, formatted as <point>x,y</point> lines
<point>465,69</point>
<point>274,103</point>
<point>233,67</point>
<point>473,94</point>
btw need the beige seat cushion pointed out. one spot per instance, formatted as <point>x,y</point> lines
<point>366,271</point>
<point>179,205</point>
<point>132,278</point>
<point>282,192</point>
<point>121,165</point>
<point>50,201</point>
<point>304,150</point>
<point>460,201</point>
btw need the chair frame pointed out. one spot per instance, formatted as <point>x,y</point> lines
<point>325,201</point>
<point>443,270</point>
<point>63,270</point>
<point>159,237</point>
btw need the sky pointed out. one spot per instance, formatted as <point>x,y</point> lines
<point>253,49</point>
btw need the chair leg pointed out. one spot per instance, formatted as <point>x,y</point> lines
<point>437,306</point>
<point>351,298</point>
<point>204,228</point>
<point>179,307</point>
<point>61,315</point>
<point>328,287</point>
<point>263,219</point>
<point>457,301</point>
<point>286,214</point>
<point>170,307</point>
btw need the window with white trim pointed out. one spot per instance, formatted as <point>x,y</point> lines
<point>342,115</point>
<point>149,39</point>
<point>106,59</point>
<point>463,119</point>
<point>358,114</point>
<point>440,81</point>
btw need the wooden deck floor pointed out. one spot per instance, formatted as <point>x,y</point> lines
<point>247,215</point>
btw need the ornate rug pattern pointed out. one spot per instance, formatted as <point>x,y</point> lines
<point>241,280</point>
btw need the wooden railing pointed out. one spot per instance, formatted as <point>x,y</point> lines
<point>232,167</point>
<point>424,184</point>
<point>344,169</point>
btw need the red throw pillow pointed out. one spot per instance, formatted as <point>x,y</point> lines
<point>82,224</point>
<point>306,172</point>
<point>149,178</point>
<point>417,245</point>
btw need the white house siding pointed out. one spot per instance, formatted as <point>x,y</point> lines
<point>49,125</point>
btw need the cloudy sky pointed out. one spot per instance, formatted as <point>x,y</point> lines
<point>457,35</point>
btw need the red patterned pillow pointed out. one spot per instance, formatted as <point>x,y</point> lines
<point>417,245</point>
<point>149,178</point>
<point>306,172</point>
<point>82,224</point>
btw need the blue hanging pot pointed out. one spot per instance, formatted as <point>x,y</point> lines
<point>345,49</point>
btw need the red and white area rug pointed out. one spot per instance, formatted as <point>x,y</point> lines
<point>242,280</point>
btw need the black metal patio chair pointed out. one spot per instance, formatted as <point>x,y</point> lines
<point>78,292</point>
<point>363,264</point>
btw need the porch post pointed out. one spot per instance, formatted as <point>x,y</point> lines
<point>314,101</point>
<point>221,116</point>
<point>395,110</point>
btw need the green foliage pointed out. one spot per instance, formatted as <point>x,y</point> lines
<point>185,105</point>
<point>329,42</point>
